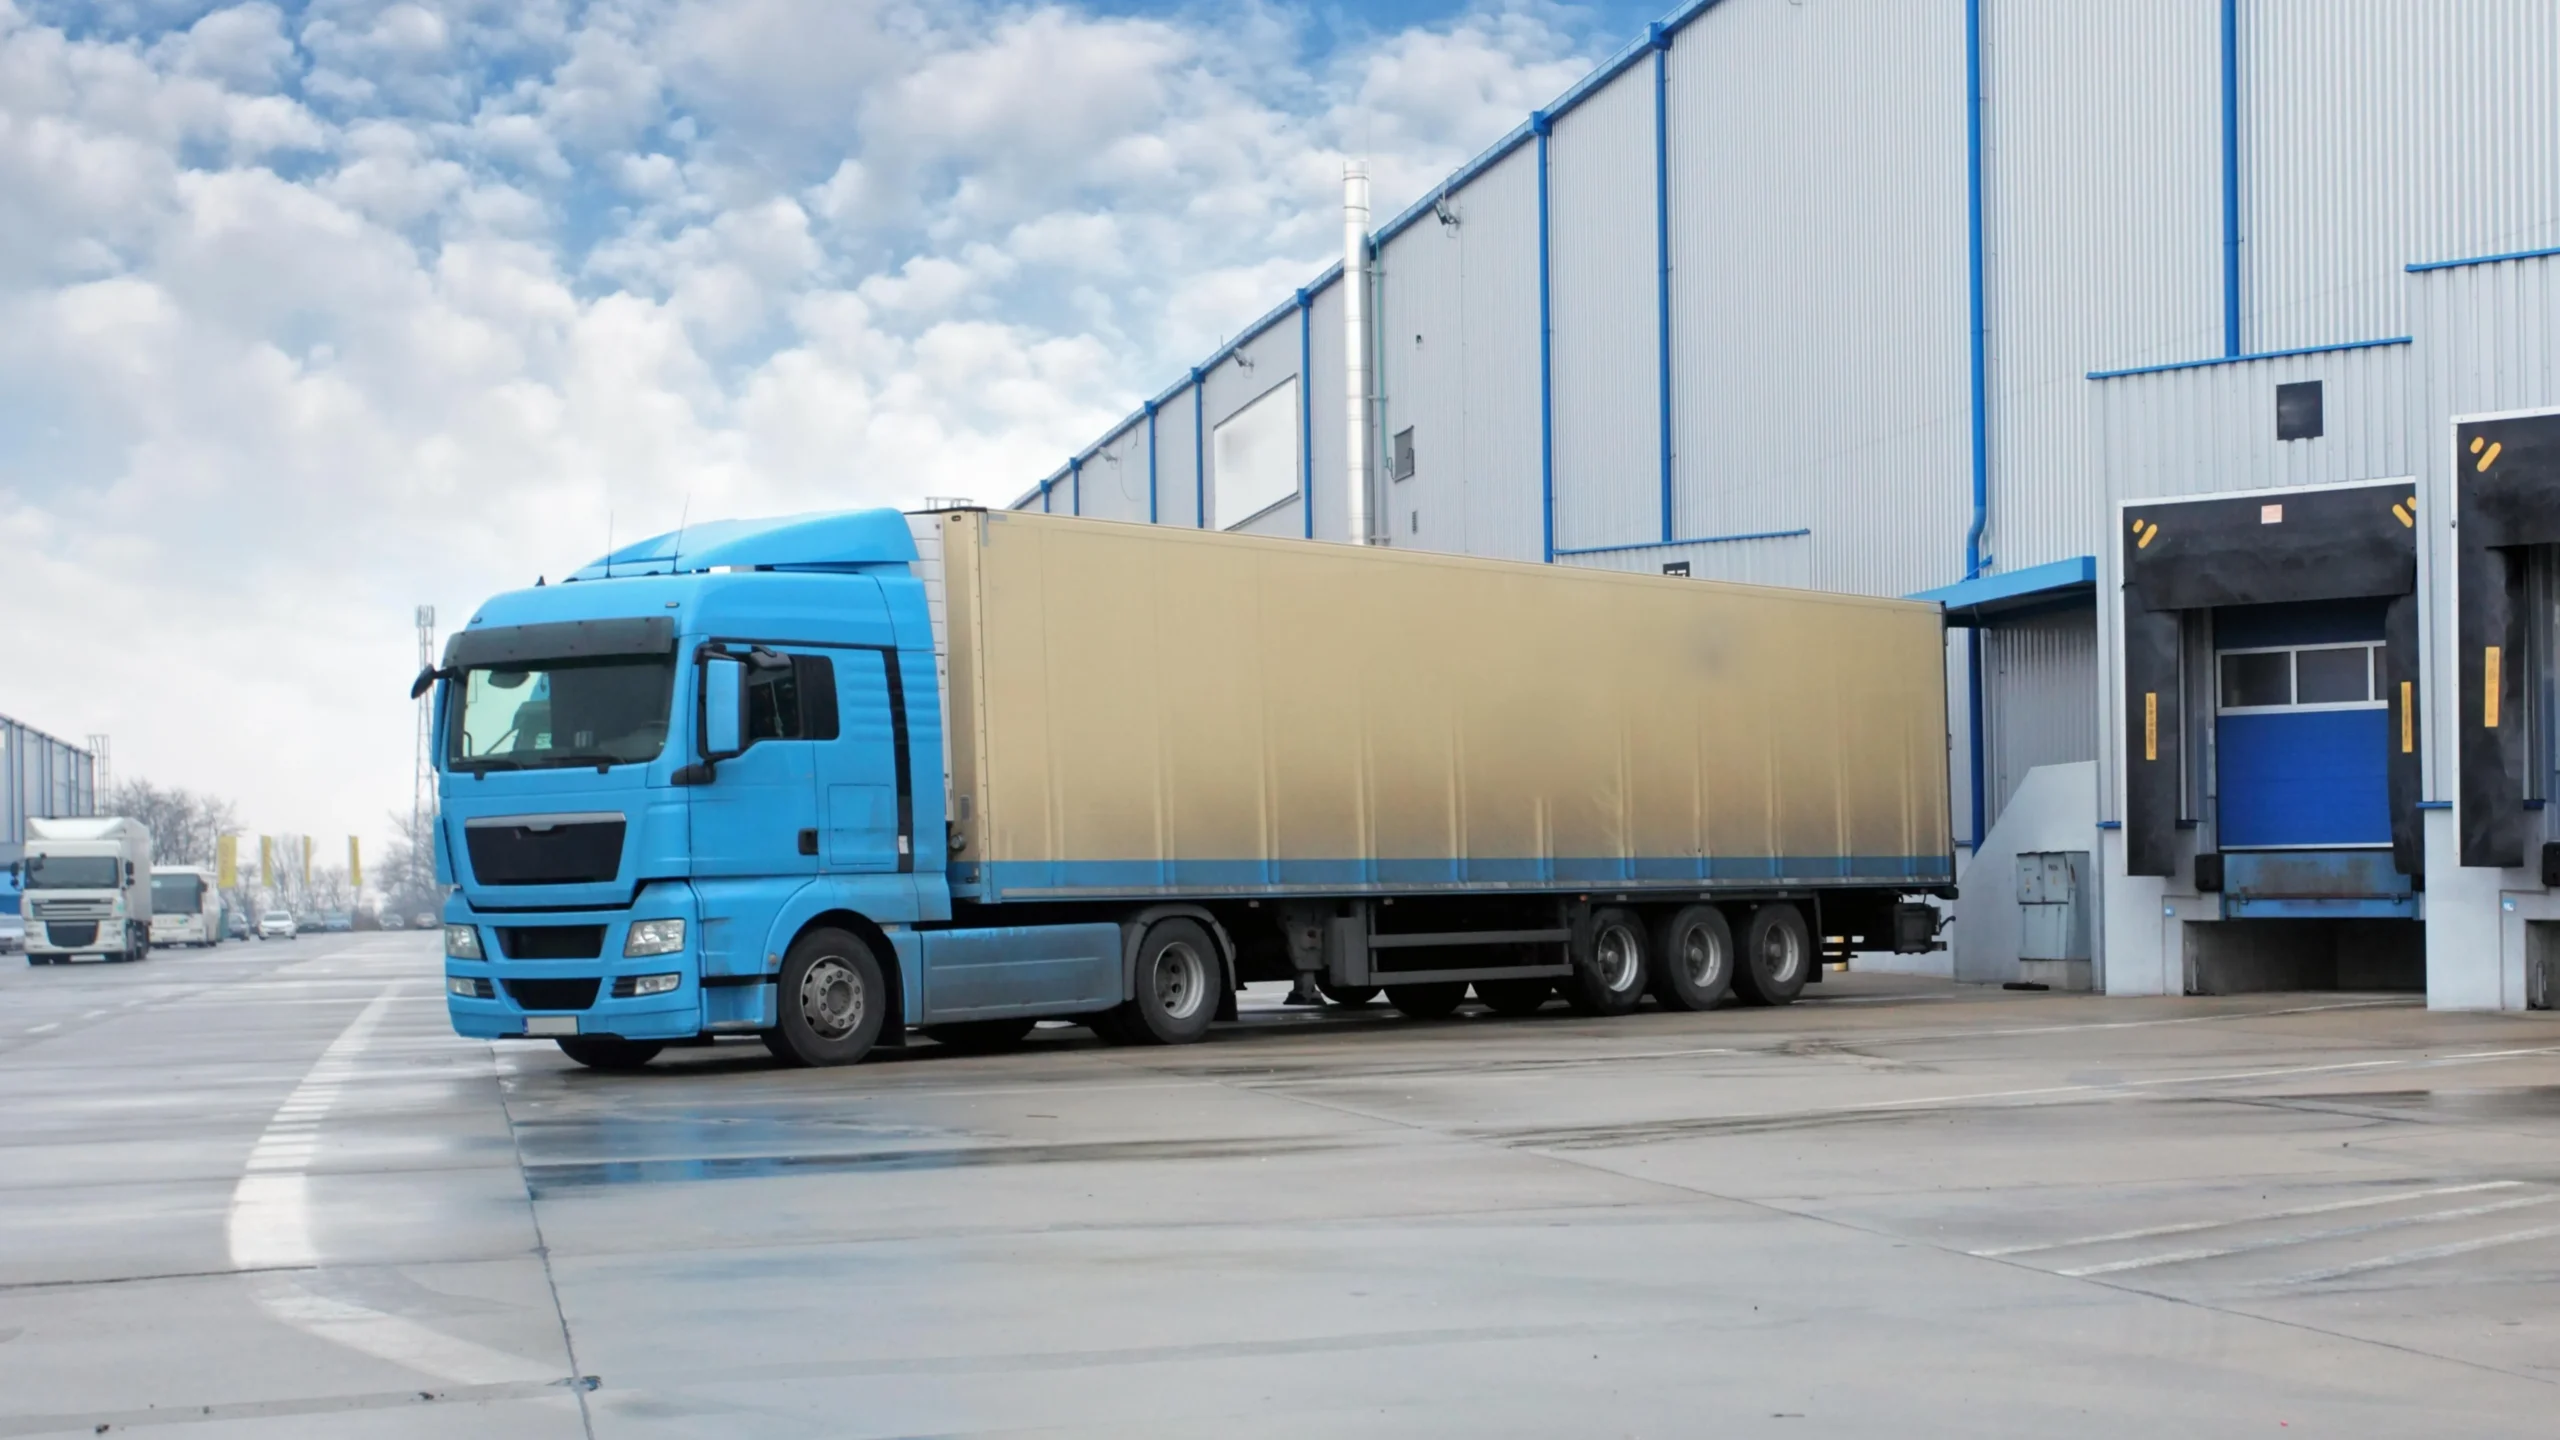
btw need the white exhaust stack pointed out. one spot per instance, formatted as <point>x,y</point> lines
<point>1355,345</point>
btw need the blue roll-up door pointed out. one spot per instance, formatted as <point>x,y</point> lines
<point>2302,732</point>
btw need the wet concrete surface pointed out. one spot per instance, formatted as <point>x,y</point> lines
<point>262,1191</point>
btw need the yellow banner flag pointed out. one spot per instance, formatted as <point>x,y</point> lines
<point>306,862</point>
<point>226,861</point>
<point>355,865</point>
<point>266,859</point>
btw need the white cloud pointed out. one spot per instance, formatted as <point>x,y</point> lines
<point>310,314</point>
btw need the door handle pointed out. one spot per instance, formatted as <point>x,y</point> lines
<point>808,842</point>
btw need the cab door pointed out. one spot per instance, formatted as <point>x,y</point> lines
<point>863,797</point>
<point>758,816</point>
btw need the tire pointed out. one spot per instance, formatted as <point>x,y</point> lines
<point>1693,959</point>
<point>1776,958</point>
<point>982,1037</point>
<point>1516,997</point>
<point>1349,997</point>
<point>1610,978</point>
<point>1180,982</point>
<point>832,1001</point>
<point>1434,1001</point>
<point>609,1052</point>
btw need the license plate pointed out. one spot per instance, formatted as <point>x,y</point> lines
<point>551,1024</point>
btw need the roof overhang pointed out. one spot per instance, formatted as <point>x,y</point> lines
<point>1988,599</point>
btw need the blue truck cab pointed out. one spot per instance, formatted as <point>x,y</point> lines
<point>662,774</point>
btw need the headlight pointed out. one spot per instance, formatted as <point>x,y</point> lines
<point>462,942</point>
<point>654,937</point>
<point>656,984</point>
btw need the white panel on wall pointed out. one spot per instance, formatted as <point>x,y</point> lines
<point>1253,462</point>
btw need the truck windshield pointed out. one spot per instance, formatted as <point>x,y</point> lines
<point>176,894</point>
<point>72,872</point>
<point>606,711</point>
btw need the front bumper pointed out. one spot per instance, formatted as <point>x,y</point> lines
<point>517,1002</point>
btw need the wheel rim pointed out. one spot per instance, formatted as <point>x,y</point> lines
<point>1181,980</point>
<point>1702,956</point>
<point>1779,954</point>
<point>831,998</point>
<point>1619,958</point>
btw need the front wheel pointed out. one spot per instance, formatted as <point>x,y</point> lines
<point>1349,997</point>
<point>609,1052</point>
<point>832,1001</point>
<point>1516,997</point>
<point>1777,956</point>
<point>1432,1000</point>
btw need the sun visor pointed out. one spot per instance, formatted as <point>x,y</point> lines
<point>561,640</point>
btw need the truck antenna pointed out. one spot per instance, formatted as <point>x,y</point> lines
<point>675,562</point>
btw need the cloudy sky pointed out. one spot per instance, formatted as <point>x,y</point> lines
<point>310,313</point>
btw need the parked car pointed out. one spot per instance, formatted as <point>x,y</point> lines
<point>337,922</point>
<point>423,921</point>
<point>391,921</point>
<point>278,925</point>
<point>238,923</point>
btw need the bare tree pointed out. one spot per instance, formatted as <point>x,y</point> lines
<point>406,873</point>
<point>185,825</point>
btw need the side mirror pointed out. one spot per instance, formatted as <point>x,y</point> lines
<point>128,872</point>
<point>724,705</point>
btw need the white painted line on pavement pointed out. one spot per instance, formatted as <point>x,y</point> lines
<point>2306,1237</point>
<point>41,1029</point>
<point>2412,1257</point>
<point>270,1229</point>
<point>2190,1227</point>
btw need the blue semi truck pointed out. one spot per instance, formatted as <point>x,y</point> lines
<point>826,781</point>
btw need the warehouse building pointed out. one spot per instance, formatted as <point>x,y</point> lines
<point>2195,354</point>
<point>41,777</point>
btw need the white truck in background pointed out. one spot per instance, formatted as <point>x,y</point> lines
<point>186,908</point>
<point>88,890</point>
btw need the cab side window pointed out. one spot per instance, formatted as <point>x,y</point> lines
<point>797,702</point>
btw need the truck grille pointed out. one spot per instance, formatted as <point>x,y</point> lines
<point>70,909</point>
<point>552,994</point>
<point>540,850</point>
<point>71,933</point>
<point>552,942</point>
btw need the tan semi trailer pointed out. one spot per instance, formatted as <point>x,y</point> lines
<point>1417,773</point>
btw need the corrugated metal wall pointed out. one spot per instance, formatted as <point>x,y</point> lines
<point>1267,359</point>
<point>39,776</point>
<point>1818,284</point>
<point>2380,132</point>
<point>1178,463</point>
<point>1114,481</point>
<point>2102,205</point>
<point>2213,428</point>
<point>1604,284</point>
<point>2042,698</point>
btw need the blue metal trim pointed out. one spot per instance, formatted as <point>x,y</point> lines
<point>1075,486</point>
<point>1977,343</point>
<point>1610,69</point>
<point>2110,824</point>
<point>1031,879</point>
<point>2423,266</point>
<point>1978,340</point>
<point>1306,417</point>
<point>2231,177</point>
<point>1151,462</point>
<point>2043,579</point>
<point>1660,40</point>
<point>2435,804</point>
<point>2246,359</point>
<point>1199,452</point>
<point>1546,356</point>
<point>1700,540</point>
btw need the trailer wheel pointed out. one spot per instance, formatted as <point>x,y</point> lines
<point>1516,997</point>
<point>609,1052</point>
<point>1693,959</point>
<point>1777,956</point>
<point>833,1001</point>
<point>1433,1001</point>
<point>982,1037</point>
<point>1610,979</point>
<point>1349,997</point>
<point>1180,981</point>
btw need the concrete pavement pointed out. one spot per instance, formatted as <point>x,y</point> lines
<point>262,1191</point>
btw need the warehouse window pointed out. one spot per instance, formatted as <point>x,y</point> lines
<point>1400,459</point>
<point>1254,456</point>
<point>2309,677</point>
<point>2298,411</point>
